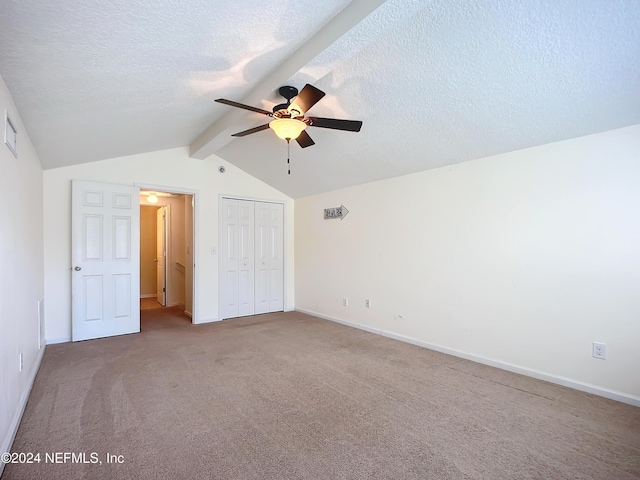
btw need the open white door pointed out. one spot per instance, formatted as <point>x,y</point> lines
<point>105,273</point>
<point>161,255</point>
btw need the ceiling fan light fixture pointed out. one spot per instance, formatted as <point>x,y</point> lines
<point>287,128</point>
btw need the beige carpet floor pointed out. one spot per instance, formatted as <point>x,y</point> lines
<point>290,396</point>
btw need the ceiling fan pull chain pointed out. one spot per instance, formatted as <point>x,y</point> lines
<point>288,156</point>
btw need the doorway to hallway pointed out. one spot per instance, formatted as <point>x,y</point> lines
<point>167,250</point>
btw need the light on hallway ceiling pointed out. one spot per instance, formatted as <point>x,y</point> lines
<point>287,128</point>
<point>152,198</point>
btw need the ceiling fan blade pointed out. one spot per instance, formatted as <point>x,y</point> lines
<point>244,133</point>
<point>335,124</point>
<point>306,99</point>
<point>304,140</point>
<point>242,105</point>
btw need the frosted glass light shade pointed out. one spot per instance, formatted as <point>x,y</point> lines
<point>287,128</point>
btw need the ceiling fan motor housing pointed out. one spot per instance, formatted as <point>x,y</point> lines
<point>287,92</point>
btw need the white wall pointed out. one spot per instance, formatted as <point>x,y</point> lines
<point>21,271</point>
<point>520,260</point>
<point>167,169</point>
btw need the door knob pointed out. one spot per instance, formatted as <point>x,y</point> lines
<point>77,269</point>
<point>155,260</point>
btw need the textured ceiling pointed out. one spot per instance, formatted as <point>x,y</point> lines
<point>435,82</point>
<point>95,79</point>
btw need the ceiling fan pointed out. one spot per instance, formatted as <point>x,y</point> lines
<point>289,122</point>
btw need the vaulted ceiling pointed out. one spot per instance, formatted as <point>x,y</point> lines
<point>435,82</point>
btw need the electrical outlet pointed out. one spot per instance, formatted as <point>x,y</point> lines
<point>367,303</point>
<point>600,350</point>
<point>21,365</point>
<point>345,301</point>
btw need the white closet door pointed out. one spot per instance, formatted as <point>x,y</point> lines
<point>246,264</point>
<point>252,258</point>
<point>229,260</point>
<point>276,257</point>
<point>269,257</point>
<point>263,263</point>
<point>237,264</point>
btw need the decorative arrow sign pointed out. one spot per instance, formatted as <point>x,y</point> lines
<point>335,212</point>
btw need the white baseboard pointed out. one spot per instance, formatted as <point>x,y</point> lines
<point>148,295</point>
<point>15,423</point>
<point>188,314</point>
<point>207,320</point>
<point>529,372</point>
<point>53,341</point>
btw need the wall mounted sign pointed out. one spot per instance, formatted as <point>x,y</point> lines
<point>10,135</point>
<point>335,212</point>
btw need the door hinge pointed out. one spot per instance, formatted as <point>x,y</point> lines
<point>164,289</point>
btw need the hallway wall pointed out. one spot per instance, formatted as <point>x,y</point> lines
<point>147,250</point>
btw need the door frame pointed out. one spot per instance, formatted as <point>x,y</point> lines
<point>195,310</point>
<point>285,257</point>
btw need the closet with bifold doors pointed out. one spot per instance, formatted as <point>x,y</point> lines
<point>251,257</point>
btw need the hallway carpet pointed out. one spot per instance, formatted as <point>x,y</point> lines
<point>290,396</point>
<point>149,303</point>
